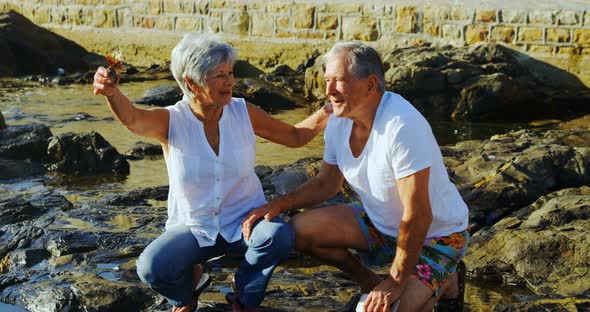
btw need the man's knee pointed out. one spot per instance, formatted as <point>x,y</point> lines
<point>276,236</point>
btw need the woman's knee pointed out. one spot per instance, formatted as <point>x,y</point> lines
<point>275,234</point>
<point>146,268</point>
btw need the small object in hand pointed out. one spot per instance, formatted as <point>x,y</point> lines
<point>115,66</point>
<point>360,306</point>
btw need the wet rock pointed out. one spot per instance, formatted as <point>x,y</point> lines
<point>141,150</point>
<point>18,209</point>
<point>24,141</point>
<point>485,82</point>
<point>86,153</point>
<point>265,94</point>
<point>140,197</point>
<point>30,49</point>
<point>243,69</point>
<point>161,96</point>
<point>27,257</point>
<point>16,169</point>
<point>506,172</point>
<point>545,244</point>
<point>286,78</point>
<point>2,122</point>
<point>80,117</point>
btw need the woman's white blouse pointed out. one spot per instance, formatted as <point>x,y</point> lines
<point>211,193</point>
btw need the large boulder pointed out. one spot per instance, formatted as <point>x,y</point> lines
<point>544,245</point>
<point>24,141</point>
<point>161,96</point>
<point>86,153</point>
<point>29,49</point>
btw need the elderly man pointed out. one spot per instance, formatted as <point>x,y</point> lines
<point>410,214</point>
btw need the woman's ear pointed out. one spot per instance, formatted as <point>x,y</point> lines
<point>191,85</point>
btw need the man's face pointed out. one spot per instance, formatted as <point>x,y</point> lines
<point>345,91</point>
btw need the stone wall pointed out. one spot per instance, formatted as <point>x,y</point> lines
<point>554,30</point>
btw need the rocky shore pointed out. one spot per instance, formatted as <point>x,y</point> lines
<point>528,190</point>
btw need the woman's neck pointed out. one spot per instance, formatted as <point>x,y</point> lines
<point>206,112</point>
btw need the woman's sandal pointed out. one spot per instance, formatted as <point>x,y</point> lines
<point>204,282</point>
<point>454,304</point>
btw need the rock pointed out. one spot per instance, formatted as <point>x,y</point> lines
<point>140,150</point>
<point>140,197</point>
<point>2,122</point>
<point>27,257</point>
<point>243,69</point>
<point>18,209</point>
<point>30,49</point>
<point>16,169</point>
<point>544,244</point>
<point>86,153</point>
<point>24,141</point>
<point>266,95</point>
<point>161,96</point>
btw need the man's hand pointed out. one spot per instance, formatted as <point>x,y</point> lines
<point>383,296</point>
<point>268,211</point>
<point>103,82</point>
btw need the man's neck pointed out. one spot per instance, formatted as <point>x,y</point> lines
<point>366,116</point>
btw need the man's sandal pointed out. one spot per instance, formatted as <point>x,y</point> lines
<point>454,304</point>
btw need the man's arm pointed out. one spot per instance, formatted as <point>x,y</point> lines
<point>416,220</point>
<point>325,185</point>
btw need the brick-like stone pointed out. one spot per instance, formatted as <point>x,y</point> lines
<point>541,17</point>
<point>113,2</point>
<point>230,4</point>
<point>377,10</point>
<point>539,48</point>
<point>502,34</point>
<point>566,17</point>
<point>178,6</point>
<point>582,37</point>
<point>59,15</point>
<point>586,51</point>
<point>327,21</point>
<point>451,31</point>
<point>202,7</point>
<point>485,16</point>
<point>278,7</point>
<point>359,28</point>
<point>236,23</point>
<point>29,12</point>
<point>459,13</point>
<point>154,7</point>
<point>513,16</point>
<point>431,28</point>
<point>587,18</point>
<point>561,35</point>
<point>75,16</point>
<point>104,18</point>
<point>309,34</point>
<point>124,17</point>
<point>212,24</point>
<point>476,33</point>
<point>436,13</point>
<point>387,26</point>
<point>262,25</point>
<point>303,15</point>
<point>285,33</point>
<point>189,24</point>
<point>530,34</point>
<point>165,23</point>
<point>148,22</point>
<point>283,21</point>
<point>405,20</point>
<point>569,50</point>
<point>42,15</point>
<point>343,8</point>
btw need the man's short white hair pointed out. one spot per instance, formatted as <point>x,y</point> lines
<point>196,55</point>
<point>364,61</point>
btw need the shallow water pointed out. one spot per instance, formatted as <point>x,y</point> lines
<point>23,103</point>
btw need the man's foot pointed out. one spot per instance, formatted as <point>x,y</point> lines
<point>452,297</point>
<point>232,298</point>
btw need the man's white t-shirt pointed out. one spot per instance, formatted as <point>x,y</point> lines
<point>401,143</point>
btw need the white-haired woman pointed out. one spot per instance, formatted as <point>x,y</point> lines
<point>209,147</point>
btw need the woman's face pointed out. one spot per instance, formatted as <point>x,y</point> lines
<point>218,86</point>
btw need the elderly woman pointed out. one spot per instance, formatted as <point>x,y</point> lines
<point>209,147</point>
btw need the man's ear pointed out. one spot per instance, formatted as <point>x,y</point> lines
<point>373,83</point>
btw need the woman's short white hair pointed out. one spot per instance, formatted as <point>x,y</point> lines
<point>364,61</point>
<point>196,55</point>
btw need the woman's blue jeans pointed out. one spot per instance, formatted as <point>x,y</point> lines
<point>167,263</point>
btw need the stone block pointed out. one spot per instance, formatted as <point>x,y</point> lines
<point>436,13</point>
<point>485,16</point>
<point>154,7</point>
<point>178,6</point>
<point>212,23</point>
<point>229,4</point>
<point>124,17</point>
<point>569,50</point>
<point>587,18</point>
<point>29,12</point>
<point>148,22</point>
<point>262,25</point>
<point>285,33</point>
<point>279,7</point>
<point>452,31</point>
<point>202,7</point>
<point>236,23</point>
<point>359,28</point>
<point>309,34</point>
<point>460,13</point>
<point>586,51</point>
<point>113,2</point>
<point>343,8</point>
<point>59,15</point>
<point>561,35</point>
<point>387,25</point>
<point>513,16</point>
<point>539,48</point>
<point>104,18</point>
<point>189,24</point>
<point>406,17</point>
<point>530,34</point>
<point>503,34</point>
<point>283,21</point>
<point>541,17</point>
<point>75,16</point>
<point>327,21</point>
<point>377,10</point>
<point>431,28</point>
<point>582,37</point>
<point>567,17</point>
<point>303,15</point>
<point>476,33</point>
<point>165,23</point>
<point>42,15</point>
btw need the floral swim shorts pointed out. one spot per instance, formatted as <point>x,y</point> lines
<point>438,258</point>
